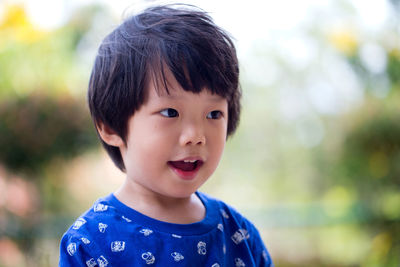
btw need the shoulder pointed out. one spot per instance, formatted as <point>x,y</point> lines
<point>227,211</point>
<point>85,239</point>
<point>233,221</point>
<point>103,216</point>
<point>102,211</point>
<point>240,230</point>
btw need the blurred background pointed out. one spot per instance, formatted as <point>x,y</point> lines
<point>315,163</point>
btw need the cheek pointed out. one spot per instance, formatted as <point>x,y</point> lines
<point>151,144</point>
<point>218,144</point>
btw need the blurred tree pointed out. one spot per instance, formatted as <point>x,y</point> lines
<point>393,68</point>
<point>367,160</point>
<point>35,129</point>
<point>43,119</point>
<point>369,165</point>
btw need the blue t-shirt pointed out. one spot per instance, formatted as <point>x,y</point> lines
<point>113,234</point>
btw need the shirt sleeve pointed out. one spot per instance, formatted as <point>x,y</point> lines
<point>260,253</point>
<point>249,232</point>
<point>77,251</point>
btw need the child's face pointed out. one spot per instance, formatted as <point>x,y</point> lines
<point>175,141</point>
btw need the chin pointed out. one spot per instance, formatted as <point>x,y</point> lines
<point>182,193</point>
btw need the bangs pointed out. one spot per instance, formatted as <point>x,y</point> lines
<point>192,72</point>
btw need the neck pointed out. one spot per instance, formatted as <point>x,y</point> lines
<point>163,208</point>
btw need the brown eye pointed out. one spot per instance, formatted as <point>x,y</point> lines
<point>214,115</point>
<point>169,113</point>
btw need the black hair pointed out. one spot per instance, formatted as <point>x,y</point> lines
<point>182,38</point>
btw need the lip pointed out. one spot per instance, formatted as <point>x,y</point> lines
<point>187,175</point>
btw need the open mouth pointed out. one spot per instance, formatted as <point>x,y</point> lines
<point>186,165</point>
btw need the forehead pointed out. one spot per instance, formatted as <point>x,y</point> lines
<point>163,85</point>
<point>176,93</point>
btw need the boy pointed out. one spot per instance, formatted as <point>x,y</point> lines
<point>164,96</point>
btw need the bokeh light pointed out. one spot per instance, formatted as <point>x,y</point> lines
<point>315,163</point>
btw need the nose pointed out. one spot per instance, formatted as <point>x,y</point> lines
<point>192,135</point>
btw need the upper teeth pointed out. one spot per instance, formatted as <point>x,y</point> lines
<point>191,161</point>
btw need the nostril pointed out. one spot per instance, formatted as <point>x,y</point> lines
<point>201,141</point>
<point>192,136</point>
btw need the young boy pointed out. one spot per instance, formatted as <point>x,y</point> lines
<point>164,97</point>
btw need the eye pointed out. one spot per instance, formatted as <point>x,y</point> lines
<point>169,113</point>
<point>215,115</point>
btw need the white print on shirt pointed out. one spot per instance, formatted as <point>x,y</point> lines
<point>177,256</point>
<point>71,249</point>
<point>224,214</point>
<point>148,258</point>
<point>240,235</point>
<point>264,253</point>
<point>146,232</point>
<point>176,236</point>
<point>224,249</point>
<point>102,261</point>
<point>117,246</point>
<point>126,219</point>
<point>215,265</point>
<point>100,207</point>
<point>85,240</point>
<point>201,248</point>
<point>78,223</point>
<point>102,227</point>
<point>91,263</point>
<point>239,262</point>
<point>220,227</point>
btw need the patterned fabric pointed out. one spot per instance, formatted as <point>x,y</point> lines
<point>112,234</point>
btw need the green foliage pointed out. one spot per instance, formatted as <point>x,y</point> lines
<point>45,64</point>
<point>39,120</point>
<point>394,67</point>
<point>35,129</point>
<point>369,166</point>
<point>372,150</point>
<point>33,60</point>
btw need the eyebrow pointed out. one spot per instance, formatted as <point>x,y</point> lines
<point>214,98</point>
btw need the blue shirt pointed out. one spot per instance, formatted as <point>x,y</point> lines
<point>113,234</point>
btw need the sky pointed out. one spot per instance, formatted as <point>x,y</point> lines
<point>245,20</point>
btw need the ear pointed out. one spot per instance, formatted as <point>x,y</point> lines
<point>109,136</point>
